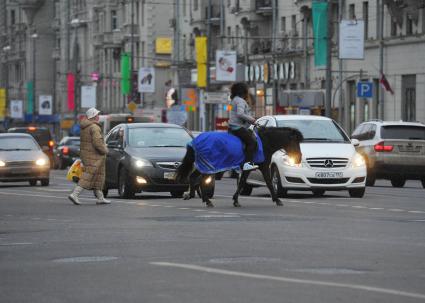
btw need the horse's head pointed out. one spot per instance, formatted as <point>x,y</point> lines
<point>287,138</point>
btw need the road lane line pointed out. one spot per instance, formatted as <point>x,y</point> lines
<point>16,244</point>
<point>291,280</point>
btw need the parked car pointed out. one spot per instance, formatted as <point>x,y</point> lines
<point>22,159</point>
<point>41,135</point>
<point>392,150</point>
<point>144,157</point>
<point>66,152</point>
<point>329,159</point>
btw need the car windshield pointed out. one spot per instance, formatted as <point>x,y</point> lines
<point>406,132</point>
<point>75,142</point>
<point>42,136</point>
<point>17,143</point>
<point>158,137</point>
<point>316,130</point>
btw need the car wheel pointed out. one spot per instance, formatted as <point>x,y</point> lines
<point>45,182</point>
<point>219,175</point>
<point>177,193</point>
<point>318,192</point>
<point>33,182</point>
<point>246,190</point>
<point>277,185</point>
<point>423,182</point>
<point>357,192</point>
<point>62,164</point>
<point>398,182</point>
<point>125,188</point>
<point>105,192</point>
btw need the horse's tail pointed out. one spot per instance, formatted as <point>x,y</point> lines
<point>184,170</point>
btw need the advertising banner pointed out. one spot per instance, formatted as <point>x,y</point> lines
<point>45,105</point>
<point>88,96</point>
<point>225,65</point>
<point>351,39</point>
<point>320,32</point>
<point>201,60</point>
<point>70,78</point>
<point>146,80</point>
<point>125,74</point>
<point>163,45</point>
<point>16,109</point>
<point>30,97</point>
<point>2,103</point>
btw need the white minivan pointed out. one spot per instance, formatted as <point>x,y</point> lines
<point>329,159</point>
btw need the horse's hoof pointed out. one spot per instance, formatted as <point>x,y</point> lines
<point>279,203</point>
<point>236,204</point>
<point>209,204</point>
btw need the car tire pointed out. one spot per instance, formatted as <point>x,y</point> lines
<point>219,176</point>
<point>370,179</point>
<point>125,188</point>
<point>423,182</point>
<point>277,185</point>
<point>398,182</point>
<point>45,182</point>
<point>105,192</point>
<point>62,165</point>
<point>246,190</point>
<point>357,192</point>
<point>318,192</point>
<point>177,193</point>
<point>33,182</point>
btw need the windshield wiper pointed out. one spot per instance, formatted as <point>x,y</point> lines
<point>317,139</point>
<point>14,149</point>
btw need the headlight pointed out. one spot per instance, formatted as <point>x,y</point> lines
<point>290,161</point>
<point>142,163</point>
<point>358,160</point>
<point>2,163</point>
<point>40,162</point>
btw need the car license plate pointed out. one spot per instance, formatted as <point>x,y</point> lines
<point>169,175</point>
<point>327,175</point>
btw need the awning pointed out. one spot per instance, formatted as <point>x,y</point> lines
<point>301,98</point>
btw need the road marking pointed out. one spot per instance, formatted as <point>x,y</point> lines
<point>416,211</point>
<point>291,280</point>
<point>85,259</point>
<point>396,210</point>
<point>341,205</point>
<point>54,190</point>
<point>13,244</point>
<point>358,206</point>
<point>218,216</point>
<point>183,208</point>
<point>376,208</point>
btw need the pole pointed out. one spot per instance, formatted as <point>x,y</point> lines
<point>340,106</point>
<point>132,51</point>
<point>381,57</point>
<point>34,77</point>
<point>208,57</point>
<point>328,101</point>
<point>222,24</point>
<point>274,30</point>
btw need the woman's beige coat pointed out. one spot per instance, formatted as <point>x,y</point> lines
<point>93,155</point>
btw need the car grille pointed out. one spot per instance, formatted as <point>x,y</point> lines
<point>327,162</point>
<point>328,181</point>
<point>19,163</point>
<point>168,165</point>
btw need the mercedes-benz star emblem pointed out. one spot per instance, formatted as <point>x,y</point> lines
<point>328,163</point>
<point>176,164</point>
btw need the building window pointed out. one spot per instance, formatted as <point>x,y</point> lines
<point>229,34</point>
<point>352,12</point>
<point>195,5</point>
<point>114,20</point>
<point>393,27</point>
<point>283,24</point>
<point>408,87</point>
<point>294,22</point>
<point>12,17</point>
<point>366,19</point>
<point>409,26</point>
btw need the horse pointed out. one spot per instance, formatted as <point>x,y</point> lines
<point>272,139</point>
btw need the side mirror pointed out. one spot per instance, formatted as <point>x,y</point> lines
<point>355,142</point>
<point>114,144</point>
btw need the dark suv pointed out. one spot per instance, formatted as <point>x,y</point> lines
<point>41,135</point>
<point>393,150</point>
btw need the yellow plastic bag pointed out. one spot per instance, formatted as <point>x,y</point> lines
<point>75,171</point>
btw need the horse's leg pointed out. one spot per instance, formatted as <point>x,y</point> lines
<point>204,195</point>
<point>264,168</point>
<point>193,180</point>
<point>241,183</point>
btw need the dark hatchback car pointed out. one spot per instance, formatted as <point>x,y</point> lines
<point>67,151</point>
<point>144,157</point>
<point>41,135</point>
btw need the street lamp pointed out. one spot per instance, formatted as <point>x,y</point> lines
<point>34,37</point>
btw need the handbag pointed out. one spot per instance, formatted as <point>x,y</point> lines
<point>75,171</point>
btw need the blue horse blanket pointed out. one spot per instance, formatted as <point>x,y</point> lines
<point>218,151</point>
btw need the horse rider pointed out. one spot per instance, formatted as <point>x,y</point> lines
<point>240,120</point>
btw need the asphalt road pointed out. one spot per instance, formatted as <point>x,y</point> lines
<point>158,249</point>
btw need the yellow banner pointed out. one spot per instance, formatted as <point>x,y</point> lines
<point>2,103</point>
<point>201,60</point>
<point>163,45</point>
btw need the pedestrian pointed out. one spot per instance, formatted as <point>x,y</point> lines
<point>240,120</point>
<point>93,155</point>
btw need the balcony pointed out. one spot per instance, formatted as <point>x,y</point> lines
<point>127,30</point>
<point>98,39</point>
<point>112,39</point>
<point>264,7</point>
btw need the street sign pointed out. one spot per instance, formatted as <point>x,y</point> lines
<point>364,89</point>
<point>216,97</point>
